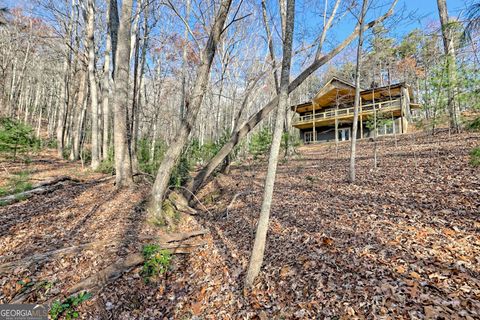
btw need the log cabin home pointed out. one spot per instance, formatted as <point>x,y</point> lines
<point>329,115</point>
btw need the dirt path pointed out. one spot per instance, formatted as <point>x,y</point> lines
<point>403,242</point>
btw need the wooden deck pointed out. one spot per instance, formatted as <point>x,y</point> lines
<point>328,117</point>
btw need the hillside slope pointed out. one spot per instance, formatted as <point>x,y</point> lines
<point>403,242</point>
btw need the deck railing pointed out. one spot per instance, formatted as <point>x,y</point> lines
<point>367,109</point>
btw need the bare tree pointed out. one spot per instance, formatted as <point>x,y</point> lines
<point>107,78</point>
<point>173,153</point>
<point>123,168</point>
<point>258,250</point>
<point>449,47</point>
<point>357,102</point>
<point>184,61</point>
<point>93,83</point>
<point>63,106</point>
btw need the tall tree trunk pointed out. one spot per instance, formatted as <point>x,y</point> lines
<point>123,169</point>
<point>351,175</point>
<point>113,22</point>
<point>63,103</point>
<point>93,84</point>
<point>270,46</point>
<point>173,153</point>
<point>138,95</point>
<point>106,84</point>
<point>252,122</point>
<point>78,121</point>
<point>184,62</point>
<point>258,250</point>
<point>449,47</point>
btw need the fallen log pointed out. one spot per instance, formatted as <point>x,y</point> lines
<point>100,279</point>
<point>97,281</point>
<point>39,188</point>
<point>176,237</point>
<point>46,256</point>
<point>164,239</point>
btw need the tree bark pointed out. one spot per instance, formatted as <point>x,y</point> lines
<point>270,46</point>
<point>258,250</point>
<point>449,48</point>
<point>184,62</point>
<point>78,121</point>
<point>93,84</point>
<point>113,22</point>
<point>351,173</point>
<point>106,84</point>
<point>63,103</point>
<point>123,170</point>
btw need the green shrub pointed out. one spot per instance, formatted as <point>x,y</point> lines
<point>51,143</point>
<point>145,161</point>
<point>474,125</point>
<point>85,155</point>
<point>181,172</point>
<point>107,166</point>
<point>16,137</point>
<point>157,261</point>
<point>16,184</point>
<point>202,153</point>
<point>193,154</point>
<point>475,157</point>
<point>68,306</point>
<point>66,152</point>
<point>260,142</point>
<point>291,140</point>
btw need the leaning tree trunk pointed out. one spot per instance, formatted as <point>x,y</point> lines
<point>351,175</point>
<point>258,250</point>
<point>93,84</point>
<point>123,169</point>
<point>173,153</point>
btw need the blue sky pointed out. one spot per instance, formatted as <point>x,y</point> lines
<point>425,10</point>
<point>415,13</point>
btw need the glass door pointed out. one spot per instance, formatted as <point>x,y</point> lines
<point>308,137</point>
<point>344,134</point>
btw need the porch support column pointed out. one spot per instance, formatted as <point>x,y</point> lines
<point>313,123</point>
<point>336,125</point>
<point>403,102</point>
<point>361,119</point>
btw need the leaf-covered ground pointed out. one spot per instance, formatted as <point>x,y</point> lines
<point>403,242</point>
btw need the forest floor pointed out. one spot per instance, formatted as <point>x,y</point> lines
<point>403,242</point>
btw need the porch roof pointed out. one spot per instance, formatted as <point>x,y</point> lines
<point>338,91</point>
